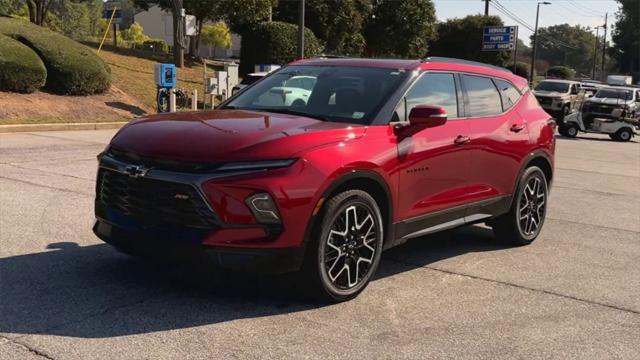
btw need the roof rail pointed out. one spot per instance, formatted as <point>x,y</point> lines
<point>330,56</point>
<point>461,61</point>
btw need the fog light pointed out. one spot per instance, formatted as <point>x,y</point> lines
<point>263,208</point>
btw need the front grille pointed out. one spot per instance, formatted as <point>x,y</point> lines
<point>153,202</point>
<point>544,100</point>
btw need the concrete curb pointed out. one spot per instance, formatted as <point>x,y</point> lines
<point>60,126</point>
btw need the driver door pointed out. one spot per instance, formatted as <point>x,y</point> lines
<point>434,162</point>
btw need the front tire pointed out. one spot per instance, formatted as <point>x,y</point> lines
<point>571,130</point>
<point>522,224</point>
<point>345,253</point>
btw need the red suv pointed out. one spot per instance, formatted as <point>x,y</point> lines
<point>323,176</point>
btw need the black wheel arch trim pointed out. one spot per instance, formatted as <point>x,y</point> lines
<point>538,154</point>
<point>355,175</point>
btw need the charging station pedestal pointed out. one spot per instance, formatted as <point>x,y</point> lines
<point>165,76</point>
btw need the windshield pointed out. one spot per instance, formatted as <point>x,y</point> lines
<point>553,86</point>
<point>614,94</point>
<point>331,93</point>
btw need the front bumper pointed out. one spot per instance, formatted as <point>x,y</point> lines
<point>182,244</point>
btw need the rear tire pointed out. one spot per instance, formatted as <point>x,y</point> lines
<point>614,137</point>
<point>344,255</point>
<point>624,135</point>
<point>522,224</point>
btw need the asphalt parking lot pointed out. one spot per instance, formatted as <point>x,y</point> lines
<point>574,293</point>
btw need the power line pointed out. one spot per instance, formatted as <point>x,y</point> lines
<point>573,12</point>
<point>585,9</point>
<point>519,20</point>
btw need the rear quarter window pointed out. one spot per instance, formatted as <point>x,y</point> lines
<point>484,98</point>
<point>510,95</point>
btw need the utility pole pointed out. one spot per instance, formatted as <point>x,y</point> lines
<point>486,7</point>
<point>604,46</point>
<point>535,42</point>
<point>301,30</point>
<point>595,54</point>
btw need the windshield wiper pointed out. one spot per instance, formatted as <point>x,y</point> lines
<point>291,112</point>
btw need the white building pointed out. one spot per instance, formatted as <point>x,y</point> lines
<point>158,24</point>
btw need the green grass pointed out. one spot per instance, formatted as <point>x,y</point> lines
<point>134,75</point>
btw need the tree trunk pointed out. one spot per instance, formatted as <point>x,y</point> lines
<point>32,11</point>
<point>178,34</point>
<point>197,37</point>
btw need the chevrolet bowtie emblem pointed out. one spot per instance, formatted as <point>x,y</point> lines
<point>135,171</point>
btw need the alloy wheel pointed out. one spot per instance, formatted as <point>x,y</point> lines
<point>351,246</point>
<point>532,207</point>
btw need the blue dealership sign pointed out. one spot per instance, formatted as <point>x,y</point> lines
<point>497,38</point>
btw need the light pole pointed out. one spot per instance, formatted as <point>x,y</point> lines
<point>301,29</point>
<point>535,42</point>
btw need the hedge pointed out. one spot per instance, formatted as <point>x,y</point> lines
<point>561,72</point>
<point>21,70</point>
<point>72,68</point>
<point>157,45</point>
<point>274,43</point>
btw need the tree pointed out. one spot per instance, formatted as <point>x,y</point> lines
<point>626,37</point>
<point>216,34</point>
<point>462,38</point>
<point>401,28</point>
<point>38,10</point>
<point>241,16</point>
<point>338,23</point>
<point>567,45</point>
<point>134,34</point>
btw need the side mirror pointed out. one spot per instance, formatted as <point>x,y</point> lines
<point>427,116</point>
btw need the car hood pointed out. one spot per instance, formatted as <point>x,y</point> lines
<point>229,135</point>
<point>544,93</point>
<point>608,101</point>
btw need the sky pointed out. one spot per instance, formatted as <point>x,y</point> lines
<point>584,12</point>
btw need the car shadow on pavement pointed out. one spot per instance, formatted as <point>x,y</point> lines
<point>95,292</point>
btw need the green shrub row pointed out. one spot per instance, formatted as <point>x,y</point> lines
<point>561,72</point>
<point>72,68</point>
<point>274,43</point>
<point>157,45</point>
<point>21,70</point>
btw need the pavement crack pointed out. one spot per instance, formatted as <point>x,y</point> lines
<point>596,172</point>
<point>27,347</point>
<point>93,315</point>
<point>46,186</point>
<point>593,225</point>
<point>542,291</point>
<point>67,139</point>
<point>48,172</point>
<point>608,193</point>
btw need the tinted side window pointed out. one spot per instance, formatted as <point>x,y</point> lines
<point>484,99</point>
<point>510,94</point>
<point>431,89</point>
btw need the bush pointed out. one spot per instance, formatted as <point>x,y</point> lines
<point>157,45</point>
<point>522,69</point>
<point>274,43</point>
<point>21,69</point>
<point>561,72</point>
<point>72,68</point>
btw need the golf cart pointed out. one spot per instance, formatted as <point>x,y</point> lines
<point>617,126</point>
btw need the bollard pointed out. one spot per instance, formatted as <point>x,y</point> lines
<point>194,100</point>
<point>172,100</point>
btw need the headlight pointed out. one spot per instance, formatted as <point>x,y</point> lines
<point>256,165</point>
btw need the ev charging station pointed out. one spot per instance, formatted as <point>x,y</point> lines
<point>165,76</point>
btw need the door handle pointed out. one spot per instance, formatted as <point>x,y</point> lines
<point>461,140</point>
<point>516,128</point>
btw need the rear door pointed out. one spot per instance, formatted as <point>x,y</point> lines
<point>499,141</point>
<point>433,168</point>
